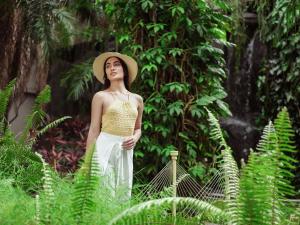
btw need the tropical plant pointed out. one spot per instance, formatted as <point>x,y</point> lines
<point>279,79</point>
<point>140,213</point>
<point>63,146</point>
<point>17,207</point>
<point>229,168</point>
<point>257,196</point>
<point>17,159</point>
<point>265,182</point>
<point>4,100</point>
<point>181,70</point>
<point>81,82</point>
<point>49,22</point>
<point>86,183</point>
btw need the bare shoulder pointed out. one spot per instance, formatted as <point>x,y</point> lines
<point>138,97</point>
<point>100,96</point>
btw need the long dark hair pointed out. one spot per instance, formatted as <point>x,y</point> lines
<point>126,75</point>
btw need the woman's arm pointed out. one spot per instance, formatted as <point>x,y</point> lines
<point>138,124</point>
<point>96,115</point>
<point>130,142</point>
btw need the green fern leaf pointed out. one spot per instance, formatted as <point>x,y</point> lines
<point>49,126</point>
<point>48,191</point>
<point>37,114</point>
<point>230,169</point>
<point>286,148</point>
<point>4,99</point>
<point>138,214</point>
<point>86,182</point>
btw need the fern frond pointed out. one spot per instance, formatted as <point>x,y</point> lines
<point>230,169</point>
<point>37,217</point>
<point>43,98</point>
<point>266,179</point>
<point>137,212</point>
<point>258,199</point>
<point>37,114</point>
<point>284,152</point>
<point>267,141</point>
<point>86,183</point>
<point>47,189</point>
<point>4,100</point>
<point>49,126</point>
<point>216,132</point>
<point>232,186</point>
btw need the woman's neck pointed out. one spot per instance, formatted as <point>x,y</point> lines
<point>117,86</point>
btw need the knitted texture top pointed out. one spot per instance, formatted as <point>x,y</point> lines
<point>119,118</point>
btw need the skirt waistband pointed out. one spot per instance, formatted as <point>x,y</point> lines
<point>111,136</point>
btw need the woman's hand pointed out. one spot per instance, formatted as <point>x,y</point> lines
<point>129,142</point>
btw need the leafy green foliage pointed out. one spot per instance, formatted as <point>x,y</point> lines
<point>279,79</point>
<point>86,183</point>
<point>256,198</point>
<point>181,70</point>
<point>52,124</point>
<point>17,159</point>
<point>19,163</point>
<point>48,192</point>
<point>266,180</point>
<point>230,169</point>
<point>140,212</point>
<point>48,22</point>
<point>285,154</point>
<point>4,100</point>
<point>260,175</point>
<point>37,114</point>
<point>78,80</point>
<point>259,195</point>
<point>16,206</point>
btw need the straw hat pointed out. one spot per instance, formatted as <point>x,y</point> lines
<point>98,65</point>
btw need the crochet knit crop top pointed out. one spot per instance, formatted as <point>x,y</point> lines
<point>119,118</point>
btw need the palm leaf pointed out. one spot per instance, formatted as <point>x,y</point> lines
<point>78,79</point>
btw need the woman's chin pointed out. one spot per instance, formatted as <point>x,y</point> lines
<point>114,79</point>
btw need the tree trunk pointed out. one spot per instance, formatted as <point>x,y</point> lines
<point>20,57</point>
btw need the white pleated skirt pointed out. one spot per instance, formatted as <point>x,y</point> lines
<point>115,164</point>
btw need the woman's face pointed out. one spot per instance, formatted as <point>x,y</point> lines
<point>114,69</point>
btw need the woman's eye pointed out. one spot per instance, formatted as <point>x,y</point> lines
<point>117,64</point>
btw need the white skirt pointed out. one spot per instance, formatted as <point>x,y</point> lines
<point>115,163</point>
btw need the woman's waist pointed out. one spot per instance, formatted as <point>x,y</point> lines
<point>117,130</point>
<point>117,135</point>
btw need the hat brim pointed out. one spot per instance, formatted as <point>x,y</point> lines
<point>98,65</point>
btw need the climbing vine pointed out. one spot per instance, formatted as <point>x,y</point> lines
<point>279,80</point>
<point>178,46</point>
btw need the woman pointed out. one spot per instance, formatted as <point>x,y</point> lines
<point>116,118</point>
